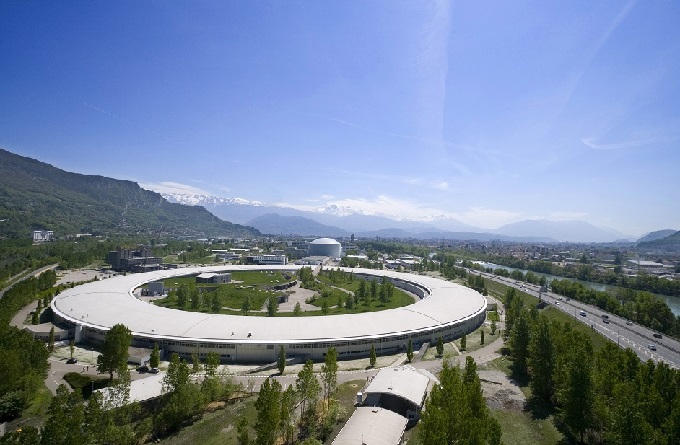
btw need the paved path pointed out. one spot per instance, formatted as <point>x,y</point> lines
<point>32,274</point>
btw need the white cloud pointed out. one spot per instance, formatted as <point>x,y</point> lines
<point>173,187</point>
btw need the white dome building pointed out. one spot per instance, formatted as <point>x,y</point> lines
<point>325,247</point>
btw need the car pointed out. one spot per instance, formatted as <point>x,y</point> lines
<point>143,369</point>
<point>154,370</point>
<point>557,303</point>
<point>583,313</point>
<point>652,348</point>
<point>629,323</point>
<point>657,335</point>
<point>605,320</point>
<point>72,361</point>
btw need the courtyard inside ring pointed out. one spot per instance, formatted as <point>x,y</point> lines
<point>444,309</point>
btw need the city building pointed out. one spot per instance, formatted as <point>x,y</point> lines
<point>281,260</point>
<point>42,236</point>
<point>140,260</point>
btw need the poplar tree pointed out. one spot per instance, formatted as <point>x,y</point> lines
<point>329,375</point>
<point>373,359</point>
<point>409,350</point>
<point>440,346</point>
<point>281,361</point>
<point>268,412</point>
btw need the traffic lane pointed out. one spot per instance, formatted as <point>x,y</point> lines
<point>635,336</point>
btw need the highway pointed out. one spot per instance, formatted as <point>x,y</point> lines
<point>619,330</point>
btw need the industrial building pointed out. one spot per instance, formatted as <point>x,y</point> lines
<point>444,309</point>
<point>140,260</point>
<point>215,278</point>
<point>281,260</point>
<point>327,247</point>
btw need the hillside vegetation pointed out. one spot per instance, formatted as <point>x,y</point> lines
<point>36,196</point>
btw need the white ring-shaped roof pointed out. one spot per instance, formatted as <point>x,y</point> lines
<point>102,304</point>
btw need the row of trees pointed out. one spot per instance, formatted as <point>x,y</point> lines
<point>304,412</point>
<point>605,396</point>
<point>24,360</point>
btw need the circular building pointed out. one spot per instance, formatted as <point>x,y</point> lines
<point>444,309</point>
<point>325,247</point>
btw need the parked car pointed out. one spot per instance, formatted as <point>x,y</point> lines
<point>154,370</point>
<point>72,361</point>
<point>629,323</point>
<point>583,313</point>
<point>657,335</point>
<point>142,369</point>
<point>652,348</point>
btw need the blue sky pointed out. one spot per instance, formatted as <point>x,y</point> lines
<point>489,112</point>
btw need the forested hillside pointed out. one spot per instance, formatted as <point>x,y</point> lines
<point>35,195</point>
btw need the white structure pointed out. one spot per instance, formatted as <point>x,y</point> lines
<point>445,309</point>
<point>41,236</point>
<point>325,247</point>
<point>280,260</point>
<point>372,426</point>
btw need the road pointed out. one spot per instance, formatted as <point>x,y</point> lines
<point>619,330</point>
<point>32,274</point>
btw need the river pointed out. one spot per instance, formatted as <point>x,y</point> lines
<point>672,302</point>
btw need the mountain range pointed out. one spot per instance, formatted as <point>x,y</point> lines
<point>336,221</point>
<point>38,196</point>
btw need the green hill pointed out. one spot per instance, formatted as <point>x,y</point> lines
<point>37,196</point>
<point>669,243</point>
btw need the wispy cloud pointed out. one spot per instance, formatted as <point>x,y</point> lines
<point>116,117</point>
<point>590,142</point>
<point>173,187</point>
<point>436,184</point>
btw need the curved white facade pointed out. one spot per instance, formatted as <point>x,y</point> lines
<point>325,247</point>
<point>445,310</point>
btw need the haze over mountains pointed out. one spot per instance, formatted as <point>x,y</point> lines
<point>342,221</point>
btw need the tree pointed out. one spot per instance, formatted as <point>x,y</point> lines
<point>50,340</point>
<point>155,358</point>
<point>324,307</point>
<point>374,289</point>
<point>519,341</point>
<point>307,388</point>
<point>71,346</point>
<point>268,405</point>
<point>481,335</point>
<point>373,359</point>
<point>182,296</point>
<point>35,318</point>
<point>541,360</point>
<point>297,310</point>
<point>195,297</point>
<point>576,396</point>
<point>463,342</point>
<point>440,346</point>
<point>114,352</point>
<point>349,302</point>
<point>215,303</point>
<point>65,419</point>
<point>409,350</point>
<point>272,306</point>
<point>177,375</point>
<point>242,431</point>
<point>493,327</point>
<point>288,400</point>
<point>245,305</point>
<point>361,292</point>
<point>281,362</point>
<point>195,363</point>
<point>329,374</point>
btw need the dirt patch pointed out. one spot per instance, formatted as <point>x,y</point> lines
<point>501,392</point>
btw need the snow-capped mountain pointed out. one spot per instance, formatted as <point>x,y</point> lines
<point>207,200</point>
